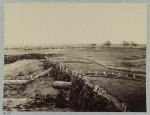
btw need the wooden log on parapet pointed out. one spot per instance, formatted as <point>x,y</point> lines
<point>61,85</point>
<point>43,73</point>
<point>96,88</point>
<point>70,72</point>
<point>133,74</point>
<point>61,66</point>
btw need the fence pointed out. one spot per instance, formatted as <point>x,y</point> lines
<point>77,77</point>
<point>84,96</point>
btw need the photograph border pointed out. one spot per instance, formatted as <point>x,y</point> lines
<point>74,1</point>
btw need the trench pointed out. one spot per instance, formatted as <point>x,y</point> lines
<point>80,96</point>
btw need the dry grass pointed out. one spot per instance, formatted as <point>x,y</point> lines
<point>127,91</point>
<point>23,72</point>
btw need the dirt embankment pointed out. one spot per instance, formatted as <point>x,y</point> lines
<point>127,91</point>
<point>34,95</point>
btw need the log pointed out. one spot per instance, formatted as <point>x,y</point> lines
<point>61,85</point>
<point>43,73</point>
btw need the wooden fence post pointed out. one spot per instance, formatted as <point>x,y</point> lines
<point>48,73</point>
<point>104,72</point>
<point>60,66</point>
<point>95,73</point>
<point>134,76</point>
<point>34,94</point>
<point>31,76</point>
<point>67,70</point>
<point>76,72</point>
<point>124,107</point>
<point>45,95</point>
<point>119,74</point>
<point>13,77</point>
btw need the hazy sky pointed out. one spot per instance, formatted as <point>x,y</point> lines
<point>49,23</point>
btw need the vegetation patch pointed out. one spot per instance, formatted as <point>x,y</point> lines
<point>12,58</point>
<point>132,57</point>
<point>128,64</point>
<point>82,98</point>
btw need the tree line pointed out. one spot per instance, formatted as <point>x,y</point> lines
<point>125,44</point>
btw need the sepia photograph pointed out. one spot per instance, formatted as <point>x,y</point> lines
<point>75,57</point>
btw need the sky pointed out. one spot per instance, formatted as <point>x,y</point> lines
<point>59,23</point>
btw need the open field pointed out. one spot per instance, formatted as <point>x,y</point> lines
<point>22,51</point>
<point>120,71</point>
<point>110,57</point>
<point>113,57</point>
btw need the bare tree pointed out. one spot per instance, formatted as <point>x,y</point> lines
<point>133,45</point>
<point>107,44</point>
<point>125,44</point>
